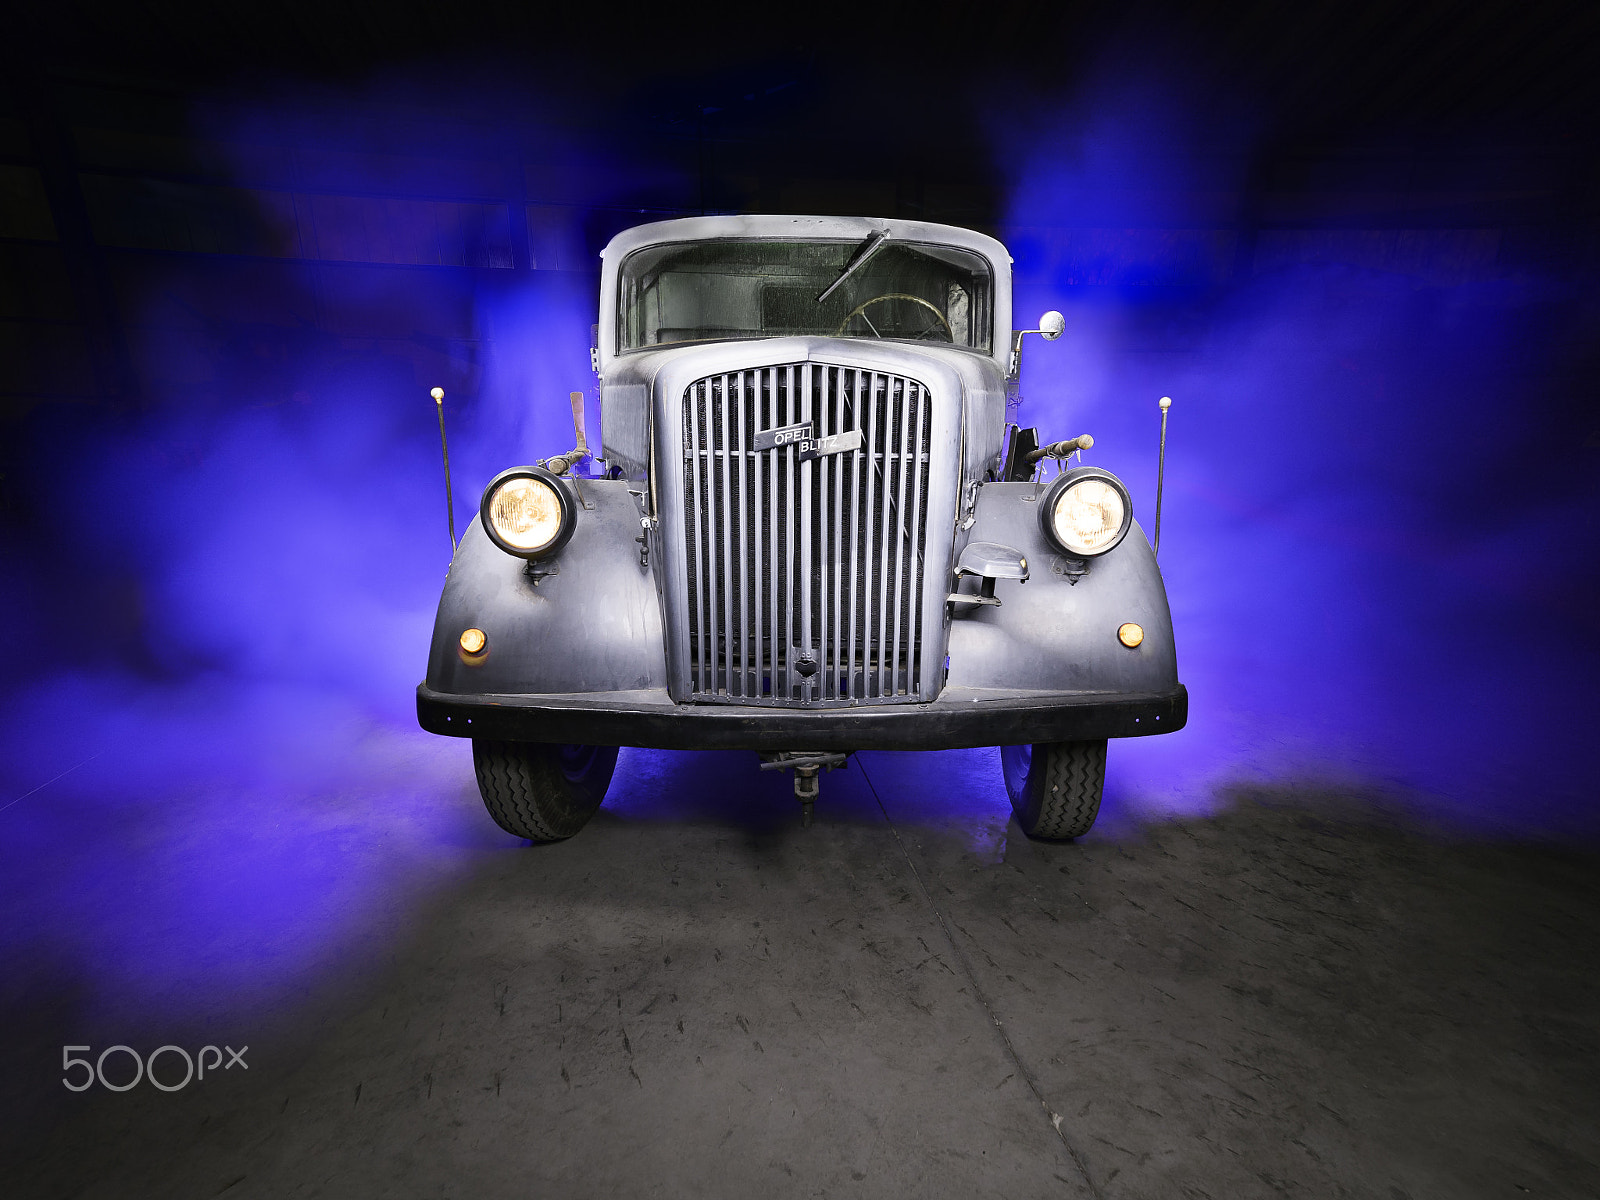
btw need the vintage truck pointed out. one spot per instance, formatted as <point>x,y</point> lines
<point>810,530</point>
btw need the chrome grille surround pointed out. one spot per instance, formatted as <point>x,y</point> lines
<point>826,560</point>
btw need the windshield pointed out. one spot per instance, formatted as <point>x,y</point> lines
<point>711,291</point>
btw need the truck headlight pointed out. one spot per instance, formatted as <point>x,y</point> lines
<point>528,512</point>
<point>1086,511</point>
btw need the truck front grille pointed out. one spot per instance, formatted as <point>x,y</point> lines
<point>805,578</point>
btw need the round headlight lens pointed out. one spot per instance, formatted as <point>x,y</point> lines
<point>1086,512</point>
<point>1089,516</point>
<point>527,512</point>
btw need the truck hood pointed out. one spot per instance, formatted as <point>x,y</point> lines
<point>967,369</point>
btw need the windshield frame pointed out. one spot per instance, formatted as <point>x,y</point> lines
<point>998,281</point>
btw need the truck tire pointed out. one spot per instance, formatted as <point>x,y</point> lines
<point>542,792</point>
<point>1055,787</point>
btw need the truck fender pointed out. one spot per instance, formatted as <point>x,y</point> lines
<point>1057,631</point>
<point>586,619</point>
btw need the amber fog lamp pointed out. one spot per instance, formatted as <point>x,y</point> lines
<point>1086,512</point>
<point>1130,635</point>
<point>528,512</point>
<point>474,640</point>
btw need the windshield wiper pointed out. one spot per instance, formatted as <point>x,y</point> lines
<point>868,248</point>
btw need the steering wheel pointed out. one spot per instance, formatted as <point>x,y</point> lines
<point>859,311</point>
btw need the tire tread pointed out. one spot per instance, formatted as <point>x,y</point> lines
<point>529,795</point>
<point>1073,783</point>
<point>1055,787</point>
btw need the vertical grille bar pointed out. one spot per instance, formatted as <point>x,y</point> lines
<point>807,542</point>
<point>920,415</point>
<point>900,532</point>
<point>773,579</point>
<point>722,656</point>
<point>709,583</point>
<point>747,617</point>
<point>696,505</point>
<point>862,463</point>
<point>788,583</point>
<point>820,568</point>
<point>757,502</point>
<point>887,522</point>
<point>841,414</point>
<point>869,551</point>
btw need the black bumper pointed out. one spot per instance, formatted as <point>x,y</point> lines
<point>650,719</point>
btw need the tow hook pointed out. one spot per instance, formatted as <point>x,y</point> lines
<point>806,765</point>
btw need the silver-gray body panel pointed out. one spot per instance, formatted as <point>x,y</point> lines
<point>1049,633</point>
<point>593,626</point>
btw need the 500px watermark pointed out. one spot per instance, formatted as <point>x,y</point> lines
<point>194,1068</point>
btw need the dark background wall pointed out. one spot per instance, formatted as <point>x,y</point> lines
<point>1359,243</point>
<point>257,154</point>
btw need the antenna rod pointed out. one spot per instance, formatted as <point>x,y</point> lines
<point>450,505</point>
<point>1161,471</point>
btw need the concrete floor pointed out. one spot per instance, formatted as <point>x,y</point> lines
<point>1301,996</point>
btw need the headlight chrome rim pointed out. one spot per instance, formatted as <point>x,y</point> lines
<point>567,522</point>
<point>1071,478</point>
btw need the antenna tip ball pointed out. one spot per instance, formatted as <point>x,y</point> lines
<point>1166,402</point>
<point>437,393</point>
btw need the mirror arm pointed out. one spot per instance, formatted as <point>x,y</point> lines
<point>1051,326</point>
<point>1014,367</point>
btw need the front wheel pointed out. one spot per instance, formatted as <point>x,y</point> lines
<point>1055,787</point>
<point>539,792</point>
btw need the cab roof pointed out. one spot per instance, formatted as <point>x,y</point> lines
<point>695,229</point>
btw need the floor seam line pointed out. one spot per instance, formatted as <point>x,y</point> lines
<point>63,775</point>
<point>978,994</point>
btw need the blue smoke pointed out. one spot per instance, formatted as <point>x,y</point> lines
<point>220,612</point>
<point>1378,542</point>
<point>1378,538</point>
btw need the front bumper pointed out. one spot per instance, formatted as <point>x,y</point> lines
<point>959,717</point>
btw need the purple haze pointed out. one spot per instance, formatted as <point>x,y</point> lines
<point>1377,543</point>
<point>1378,535</point>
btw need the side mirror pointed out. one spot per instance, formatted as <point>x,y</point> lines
<point>1051,326</point>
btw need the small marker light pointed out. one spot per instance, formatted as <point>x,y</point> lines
<point>473,641</point>
<point>1130,635</point>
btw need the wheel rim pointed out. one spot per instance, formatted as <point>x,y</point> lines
<point>1016,762</point>
<point>576,760</point>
